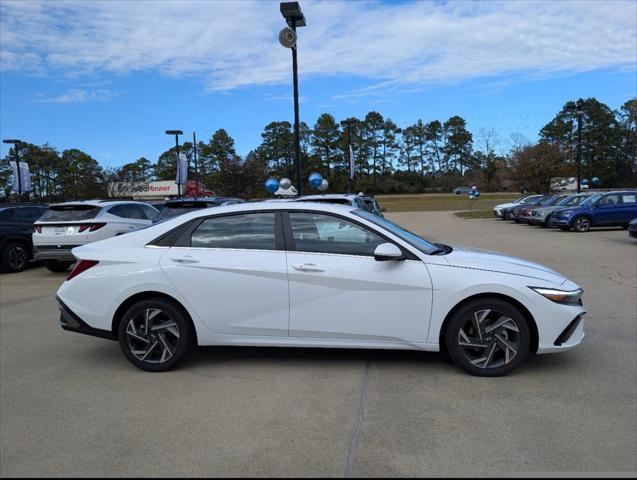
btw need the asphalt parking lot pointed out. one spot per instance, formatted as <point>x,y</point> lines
<point>71,405</point>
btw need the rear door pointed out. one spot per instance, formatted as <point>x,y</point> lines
<point>232,270</point>
<point>628,207</point>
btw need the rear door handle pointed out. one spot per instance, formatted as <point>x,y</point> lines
<point>307,267</point>
<point>184,260</point>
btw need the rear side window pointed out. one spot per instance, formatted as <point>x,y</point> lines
<point>315,232</point>
<point>127,210</point>
<point>629,198</point>
<point>7,214</point>
<point>69,213</point>
<point>29,214</point>
<point>250,231</point>
<point>149,212</point>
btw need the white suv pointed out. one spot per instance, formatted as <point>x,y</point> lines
<point>68,225</point>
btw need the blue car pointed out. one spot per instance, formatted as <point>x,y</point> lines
<point>604,209</point>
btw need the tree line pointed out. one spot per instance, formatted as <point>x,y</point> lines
<point>423,157</point>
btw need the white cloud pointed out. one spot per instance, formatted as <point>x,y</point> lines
<point>75,96</point>
<point>394,45</point>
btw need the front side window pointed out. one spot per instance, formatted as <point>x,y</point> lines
<point>315,232</point>
<point>609,200</point>
<point>7,214</point>
<point>149,212</point>
<point>249,231</point>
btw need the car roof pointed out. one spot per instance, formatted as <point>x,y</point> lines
<point>97,203</point>
<point>202,199</point>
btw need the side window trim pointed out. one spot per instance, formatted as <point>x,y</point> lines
<point>290,244</point>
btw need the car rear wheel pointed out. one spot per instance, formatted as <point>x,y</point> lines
<point>155,335</point>
<point>15,257</point>
<point>57,266</point>
<point>488,337</point>
<point>582,224</point>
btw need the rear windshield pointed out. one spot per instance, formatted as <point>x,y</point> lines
<point>176,209</point>
<point>69,213</point>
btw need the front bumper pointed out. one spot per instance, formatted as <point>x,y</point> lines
<point>559,222</point>
<point>569,338</point>
<point>60,253</point>
<point>71,322</point>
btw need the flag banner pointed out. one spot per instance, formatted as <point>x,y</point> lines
<point>352,161</point>
<point>182,170</point>
<point>25,177</point>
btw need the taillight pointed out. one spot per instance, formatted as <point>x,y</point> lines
<point>37,228</point>
<point>91,227</point>
<point>80,267</point>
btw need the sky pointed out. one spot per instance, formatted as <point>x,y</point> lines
<point>108,77</point>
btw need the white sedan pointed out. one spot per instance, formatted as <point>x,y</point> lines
<point>313,275</point>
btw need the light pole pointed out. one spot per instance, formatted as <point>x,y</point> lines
<point>17,164</point>
<point>176,133</point>
<point>291,11</point>
<point>350,170</point>
<point>579,112</point>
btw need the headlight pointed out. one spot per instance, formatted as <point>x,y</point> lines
<point>573,297</point>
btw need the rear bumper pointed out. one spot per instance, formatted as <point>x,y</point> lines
<point>71,322</point>
<point>62,253</point>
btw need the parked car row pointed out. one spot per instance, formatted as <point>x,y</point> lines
<point>578,212</point>
<point>49,233</point>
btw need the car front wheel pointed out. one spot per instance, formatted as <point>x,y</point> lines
<point>582,224</point>
<point>155,335</point>
<point>488,337</point>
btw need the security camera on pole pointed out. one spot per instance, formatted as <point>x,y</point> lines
<point>291,11</point>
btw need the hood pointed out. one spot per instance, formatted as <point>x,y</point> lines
<point>504,205</point>
<point>470,257</point>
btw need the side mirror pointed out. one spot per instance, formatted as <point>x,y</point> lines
<point>388,251</point>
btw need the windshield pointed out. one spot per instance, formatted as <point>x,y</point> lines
<point>550,201</point>
<point>591,200</point>
<point>69,213</point>
<point>530,200</point>
<point>568,200</point>
<point>409,237</point>
<point>519,199</point>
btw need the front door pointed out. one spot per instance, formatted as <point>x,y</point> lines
<point>234,275</point>
<point>338,290</point>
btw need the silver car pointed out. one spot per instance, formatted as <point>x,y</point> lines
<point>541,216</point>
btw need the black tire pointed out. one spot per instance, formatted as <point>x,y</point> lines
<point>57,266</point>
<point>14,257</point>
<point>491,344</point>
<point>178,345</point>
<point>582,224</point>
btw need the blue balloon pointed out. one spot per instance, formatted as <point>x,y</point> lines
<point>584,182</point>
<point>316,179</point>
<point>271,185</point>
<point>595,180</point>
<point>477,194</point>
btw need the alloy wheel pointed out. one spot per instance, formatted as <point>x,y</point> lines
<point>152,336</point>
<point>17,257</point>
<point>489,339</point>
<point>582,224</point>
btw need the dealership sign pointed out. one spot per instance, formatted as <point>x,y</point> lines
<point>159,189</point>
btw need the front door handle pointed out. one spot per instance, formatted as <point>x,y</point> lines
<point>184,260</point>
<point>307,267</point>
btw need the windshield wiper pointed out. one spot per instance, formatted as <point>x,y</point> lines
<point>441,249</point>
